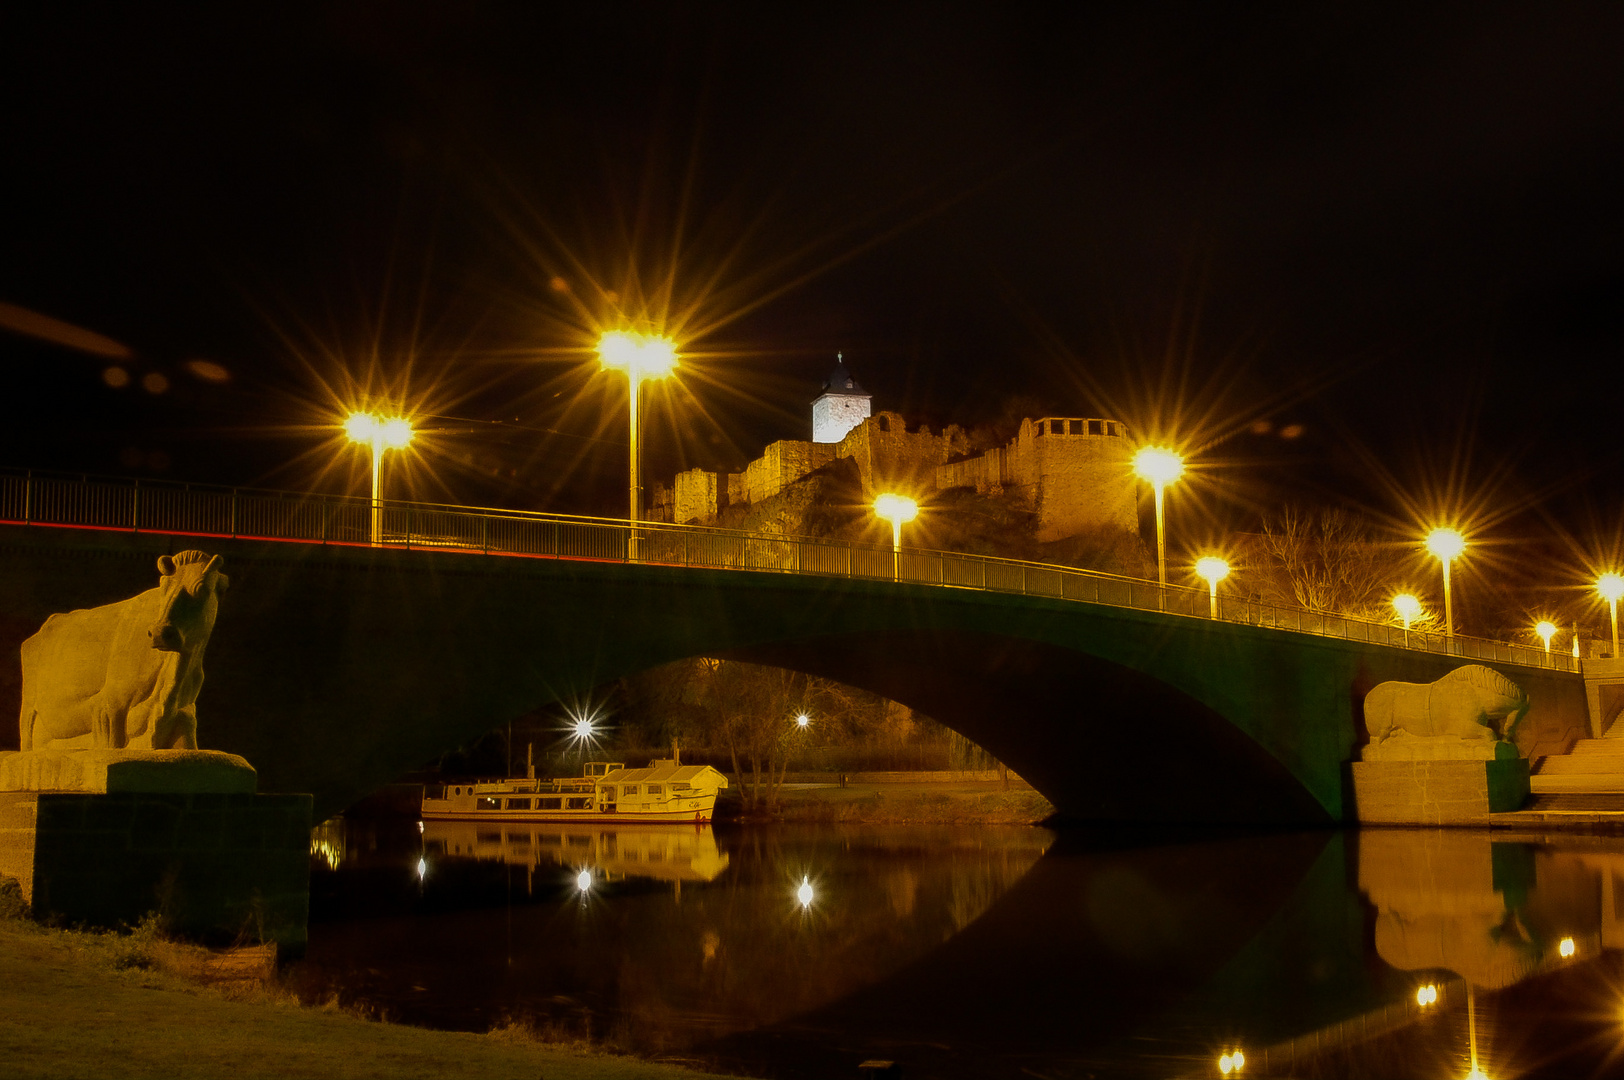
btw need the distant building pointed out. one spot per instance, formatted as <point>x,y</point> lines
<point>842,405</point>
<point>1075,472</point>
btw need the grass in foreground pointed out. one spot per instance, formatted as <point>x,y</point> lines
<point>76,1004</point>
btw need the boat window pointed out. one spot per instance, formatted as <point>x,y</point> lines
<point>656,789</point>
<point>1058,427</point>
<point>1076,427</point>
<point>518,804</point>
<point>547,804</point>
<point>433,791</point>
<point>678,785</point>
<point>488,804</point>
<point>629,790</point>
<point>1096,427</point>
<point>583,802</point>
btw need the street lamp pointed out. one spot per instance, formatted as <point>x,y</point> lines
<point>803,721</point>
<point>1212,570</point>
<point>1546,630</point>
<point>1408,608</point>
<point>640,356</point>
<point>1446,545</point>
<point>896,509</point>
<point>394,433</point>
<point>1611,587</point>
<point>1159,466</point>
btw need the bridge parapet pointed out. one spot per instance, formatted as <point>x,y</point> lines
<point>32,497</point>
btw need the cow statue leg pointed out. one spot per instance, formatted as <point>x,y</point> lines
<point>106,726</point>
<point>177,731</point>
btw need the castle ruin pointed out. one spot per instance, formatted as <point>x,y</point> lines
<point>1075,472</point>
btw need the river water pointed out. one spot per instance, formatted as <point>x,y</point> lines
<point>989,951</point>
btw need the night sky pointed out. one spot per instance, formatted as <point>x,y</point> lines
<point>1338,252</point>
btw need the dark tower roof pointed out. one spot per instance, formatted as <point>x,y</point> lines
<point>840,381</point>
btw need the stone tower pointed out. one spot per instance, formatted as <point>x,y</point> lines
<point>842,405</point>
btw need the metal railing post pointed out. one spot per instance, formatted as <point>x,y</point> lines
<point>485,533</point>
<point>28,496</point>
<point>135,508</point>
<point>233,513</point>
<point>324,519</point>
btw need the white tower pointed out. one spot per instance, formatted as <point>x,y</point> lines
<point>842,405</point>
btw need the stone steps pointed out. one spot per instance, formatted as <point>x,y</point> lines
<point>1594,766</point>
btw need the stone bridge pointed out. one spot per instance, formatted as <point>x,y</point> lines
<point>337,668</point>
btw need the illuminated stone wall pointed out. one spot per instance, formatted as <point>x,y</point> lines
<point>889,457</point>
<point>695,499</point>
<point>1077,472</point>
<point>781,464</point>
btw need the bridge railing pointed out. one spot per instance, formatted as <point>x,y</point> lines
<point>41,498</point>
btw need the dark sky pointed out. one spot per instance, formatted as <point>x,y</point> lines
<point>1393,229</point>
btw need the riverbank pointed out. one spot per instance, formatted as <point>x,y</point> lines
<point>976,802</point>
<point>76,1004</point>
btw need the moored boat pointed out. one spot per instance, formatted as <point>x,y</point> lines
<point>665,791</point>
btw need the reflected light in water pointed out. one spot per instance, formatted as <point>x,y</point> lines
<point>583,880</point>
<point>422,868</point>
<point>1565,947</point>
<point>1232,1063</point>
<point>804,894</point>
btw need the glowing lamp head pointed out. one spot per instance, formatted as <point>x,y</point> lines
<point>1211,569</point>
<point>1446,544</point>
<point>896,509</point>
<point>1426,995</point>
<point>803,721</point>
<point>641,356</point>
<point>803,895</point>
<point>583,881</point>
<point>1611,587</point>
<point>361,427</point>
<point>1158,465</point>
<point>375,431</point>
<point>583,729</point>
<point>1407,606</point>
<point>1546,630</point>
<point>1232,1062</point>
<point>1565,948</point>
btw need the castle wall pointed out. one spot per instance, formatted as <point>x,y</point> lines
<point>890,457</point>
<point>781,464</point>
<point>695,498</point>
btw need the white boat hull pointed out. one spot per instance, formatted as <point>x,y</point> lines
<point>698,816</point>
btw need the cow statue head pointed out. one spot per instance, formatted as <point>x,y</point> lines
<point>188,599</point>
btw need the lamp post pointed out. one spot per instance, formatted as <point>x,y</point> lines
<point>394,433</point>
<point>1212,570</point>
<point>1408,608</point>
<point>1446,545</point>
<point>1611,587</point>
<point>896,509</point>
<point>1546,629</point>
<point>640,356</point>
<point>1159,466</point>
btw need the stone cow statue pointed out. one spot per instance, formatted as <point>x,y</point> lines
<point>126,674</point>
<point>1471,703</point>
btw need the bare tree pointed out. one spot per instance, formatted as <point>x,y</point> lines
<point>1326,560</point>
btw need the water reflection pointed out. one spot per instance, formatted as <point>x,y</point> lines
<point>994,952</point>
<point>656,852</point>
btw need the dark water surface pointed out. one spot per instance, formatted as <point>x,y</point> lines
<point>990,951</point>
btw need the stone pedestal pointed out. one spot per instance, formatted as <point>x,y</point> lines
<point>1437,792</point>
<point>215,867</point>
